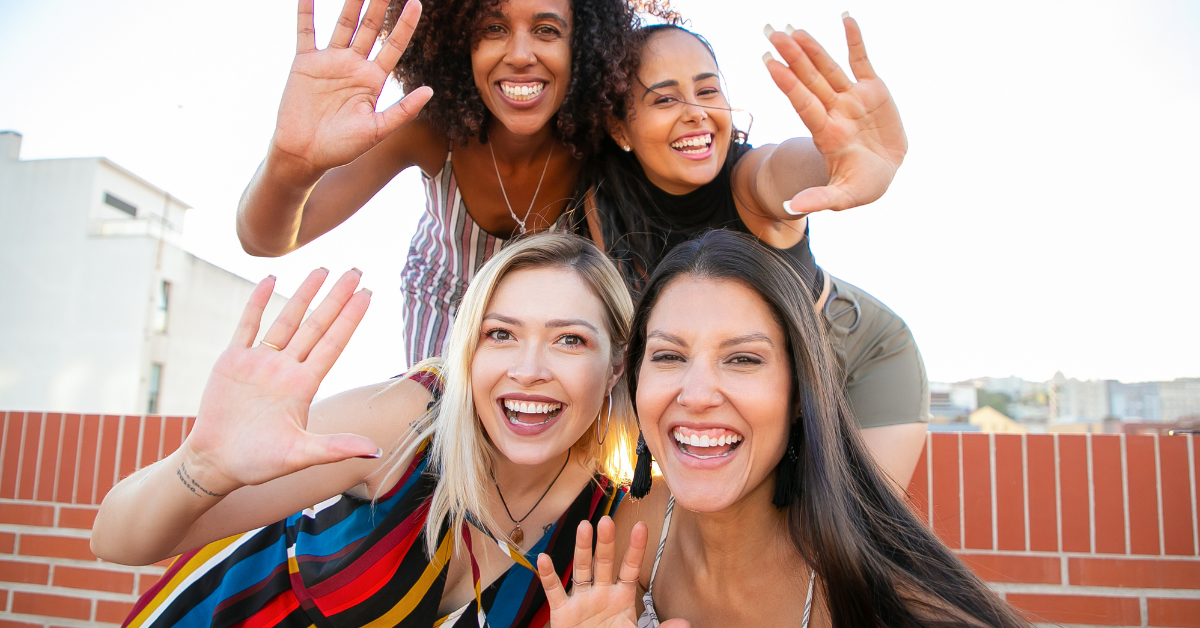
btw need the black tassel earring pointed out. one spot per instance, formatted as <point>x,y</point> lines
<point>640,487</point>
<point>787,476</point>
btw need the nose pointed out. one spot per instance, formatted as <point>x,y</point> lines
<point>693,112</point>
<point>520,51</point>
<point>700,389</point>
<point>529,367</point>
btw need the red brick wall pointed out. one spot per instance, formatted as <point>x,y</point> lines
<point>1075,529</point>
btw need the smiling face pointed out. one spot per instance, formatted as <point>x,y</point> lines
<point>543,365</point>
<point>680,145</point>
<point>713,391</point>
<point>522,62</point>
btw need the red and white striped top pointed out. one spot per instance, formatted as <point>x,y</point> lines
<point>446,252</point>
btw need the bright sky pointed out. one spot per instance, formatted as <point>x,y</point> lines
<point>1042,220</point>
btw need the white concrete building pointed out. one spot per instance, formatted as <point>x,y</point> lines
<point>101,311</point>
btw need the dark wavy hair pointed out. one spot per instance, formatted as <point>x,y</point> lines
<point>876,563</point>
<point>604,50</point>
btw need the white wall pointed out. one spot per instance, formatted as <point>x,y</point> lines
<point>76,304</point>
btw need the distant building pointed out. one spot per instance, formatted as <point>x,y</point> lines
<point>102,311</point>
<point>991,421</point>
<point>952,402</point>
<point>1073,400</point>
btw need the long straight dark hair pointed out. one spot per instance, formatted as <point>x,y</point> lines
<point>876,563</point>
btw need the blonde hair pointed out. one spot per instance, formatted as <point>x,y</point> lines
<point>461,453</point>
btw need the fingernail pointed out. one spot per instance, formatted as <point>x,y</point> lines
<point>845,14</point>
<point>271,277</point>
<point>787,207</point>
<point>378,453</point>
<point>324,270</point>
<point>369,293</point>
<point>789,29</point>
<point>767,58</point>
<point>768,31</point>
<point>355,269</point>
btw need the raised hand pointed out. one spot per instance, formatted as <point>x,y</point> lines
<point>327,116</point>
<point>596,600</point>
<point>854,124</point>
<point>251,424</point>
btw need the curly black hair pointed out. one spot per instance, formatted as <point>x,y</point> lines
<point>604,51</point>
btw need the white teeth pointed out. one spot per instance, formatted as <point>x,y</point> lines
<point>522,92</point>
<point>696,141</point>
<point>695,440</point>
<point>530,407</point>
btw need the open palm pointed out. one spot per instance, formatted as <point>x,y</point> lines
<point>596,601</point>
<point>854,124</point>
<point>251,426</point>
<point>327,116</point>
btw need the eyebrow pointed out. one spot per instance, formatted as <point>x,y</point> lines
<point>536,16</point>
<point>551,324</point>
<point>673,83</point>
<point>662,335</point>
<point>755,337</point>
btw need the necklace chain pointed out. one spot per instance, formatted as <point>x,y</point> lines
<point>517,534</point>
<point>504,193</point>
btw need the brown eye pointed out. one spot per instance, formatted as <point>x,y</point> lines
<point>500,335</point>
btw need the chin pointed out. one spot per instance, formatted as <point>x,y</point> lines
<point>703,496</point>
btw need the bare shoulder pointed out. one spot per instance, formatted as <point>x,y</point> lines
<point>418,143</point>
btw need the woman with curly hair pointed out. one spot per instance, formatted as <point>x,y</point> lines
<point>514,94</point>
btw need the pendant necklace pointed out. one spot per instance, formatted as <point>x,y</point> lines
<point>517,535</point>
<point>520,222</point>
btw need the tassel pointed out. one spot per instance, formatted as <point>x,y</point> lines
<point>787,475</point>
<point>642,480</point>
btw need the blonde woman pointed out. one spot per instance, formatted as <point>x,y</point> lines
<point>430,492</point>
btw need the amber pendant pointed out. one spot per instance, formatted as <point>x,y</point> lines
<point>517,535</point>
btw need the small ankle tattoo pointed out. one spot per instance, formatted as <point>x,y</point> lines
<point>192,485</point>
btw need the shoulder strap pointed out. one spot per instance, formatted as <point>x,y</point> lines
<point>662,542</point>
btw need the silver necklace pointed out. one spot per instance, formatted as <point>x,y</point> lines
<point>520,222</point>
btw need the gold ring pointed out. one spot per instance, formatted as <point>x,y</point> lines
<point>264,342</point>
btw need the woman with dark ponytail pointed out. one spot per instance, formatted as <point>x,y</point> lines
<point>770,511</point>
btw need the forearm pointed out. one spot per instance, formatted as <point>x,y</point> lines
<point>148,515</point>
<point>271,209</point>
<point>896,449</point>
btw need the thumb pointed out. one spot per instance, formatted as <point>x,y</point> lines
<point>327,448</point>
<point>675,623</point>
<point>817,199</point>
<point>404,111</point>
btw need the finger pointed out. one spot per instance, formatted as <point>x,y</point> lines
<point>811,110</point>
<point>306,34</point>
<point>326,448</point>
<point>821,60</point>
<point>606,550</point>
<point>860,65</point>
<point>331,345</point>
<point>401,33</point>
<point>555,595</point>
<point>319,321</point>
<point>281,331</point>
<point>247,327</point>
<point>404,111</point>
<point>675,623</point>
<point>346,24</point>
<point>820,199</point>
<point>581,570</point>
<point>631,564</point>
<point>368,28</point>
<point>800,65</point>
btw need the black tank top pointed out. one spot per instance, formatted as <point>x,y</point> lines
<point>668,219</point>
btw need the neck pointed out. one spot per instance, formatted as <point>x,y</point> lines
<point>734,541</point>
<point>514,150</point>
<point>518,480</point>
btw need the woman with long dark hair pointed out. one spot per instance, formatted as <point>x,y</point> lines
<point>770,510</point>
<point>504,99</point>
<point>676,166</point>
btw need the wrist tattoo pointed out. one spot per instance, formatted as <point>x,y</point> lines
<point>546,528</point>
<point>192,485</point>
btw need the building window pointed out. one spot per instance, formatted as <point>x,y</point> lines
<point>161,306</point>
<point>124,206</point>
<point>155,387</point>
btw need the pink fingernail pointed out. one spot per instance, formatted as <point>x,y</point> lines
<point>378,453</point>
<point>369,293</point>
<point>324,270</point>
<point>356,269</point>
